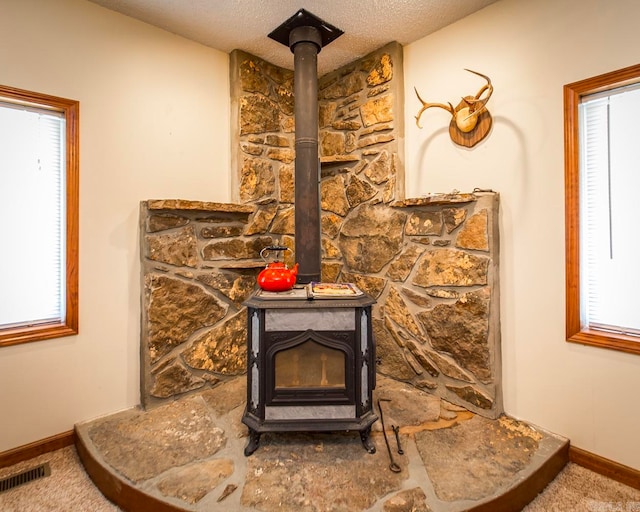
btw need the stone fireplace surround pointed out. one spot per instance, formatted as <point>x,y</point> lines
<point>431,263</point>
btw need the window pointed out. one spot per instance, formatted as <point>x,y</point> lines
<point>602,182</point>
<point>39,212</point>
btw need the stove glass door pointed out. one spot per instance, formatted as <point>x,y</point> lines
<point>309,366</point>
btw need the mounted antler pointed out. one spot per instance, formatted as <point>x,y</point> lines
<point>466,115</point>
<point>448,107</point>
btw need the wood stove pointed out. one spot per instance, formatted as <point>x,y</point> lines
<point>310,362</point>
<point>311,367</point>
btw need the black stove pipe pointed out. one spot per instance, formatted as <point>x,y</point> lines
<point>305,42</point>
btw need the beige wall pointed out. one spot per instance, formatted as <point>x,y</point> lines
<point>154,114</point>
<point>155,124</point>
<point>530,48</point>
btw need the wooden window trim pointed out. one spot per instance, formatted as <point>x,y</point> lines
<point>71,111</point>
<point>573,92</point>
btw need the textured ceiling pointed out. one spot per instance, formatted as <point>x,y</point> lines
<point>245,24</point>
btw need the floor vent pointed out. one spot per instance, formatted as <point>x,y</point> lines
<point>24,477</point>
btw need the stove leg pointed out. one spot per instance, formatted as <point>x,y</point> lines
<point>366,442</point>
<point>252,444</point>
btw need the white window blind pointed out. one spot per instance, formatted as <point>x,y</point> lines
<point>609,211</point>
<point>32,209</point>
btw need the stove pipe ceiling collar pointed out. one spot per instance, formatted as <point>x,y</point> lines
<point>306,34</point>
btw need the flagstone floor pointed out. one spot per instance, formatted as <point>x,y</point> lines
<point>188,455</point>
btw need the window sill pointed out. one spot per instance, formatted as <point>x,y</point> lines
<point>36,333</point>
<point>602,339</point>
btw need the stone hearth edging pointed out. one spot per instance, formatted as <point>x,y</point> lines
<point>186,455</point>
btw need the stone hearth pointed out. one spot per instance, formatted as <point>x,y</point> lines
<point>187,455</point>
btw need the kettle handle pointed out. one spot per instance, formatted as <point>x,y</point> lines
<point>274,248</point>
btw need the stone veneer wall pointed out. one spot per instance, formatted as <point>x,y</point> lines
<point>431,263</point>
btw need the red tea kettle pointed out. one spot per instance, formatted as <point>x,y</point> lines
<point>276,277</point>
